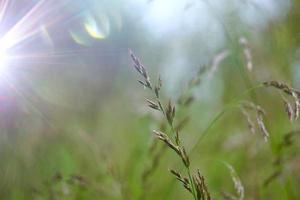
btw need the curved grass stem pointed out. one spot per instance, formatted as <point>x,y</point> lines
<point>227,108</point>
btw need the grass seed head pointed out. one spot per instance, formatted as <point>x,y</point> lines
<point>184,180</point>
<point>170,113</point>
<point>292,92</point>
<point>247,52</point>
<point>163,137</point>
<point>141,70</point>
<point>288,108</point>
<point>261,125</point>
<point>239,188</point>
<point>260,113</point>
<point>152,105</point>
<point>250,123</point>
<point>184,157</point>
<point>200,187</point>
<point>297,104</point>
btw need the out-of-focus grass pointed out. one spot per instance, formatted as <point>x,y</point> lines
<point>101,153</point>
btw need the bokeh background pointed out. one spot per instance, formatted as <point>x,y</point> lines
<point>73,120</point>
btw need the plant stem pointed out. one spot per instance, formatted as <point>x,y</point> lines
<point>227,108</point>
<point>192,183</point>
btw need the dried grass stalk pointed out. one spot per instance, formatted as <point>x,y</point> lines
<point>239,188</point>
<point>297,104</point>
<point>141,70</point>
<point>260,113</point>
<point>163,137</point>
<point>288,108</point>
<point>247,52</point>
<point>180,150</point>
<point>184,180</point>
<point>217,60</point>
<point>169,113</point>
<point>250,123</point>
<point>281,86</point>
<point>200,186</point>
<point>294,113</point>
<point>263,129</point>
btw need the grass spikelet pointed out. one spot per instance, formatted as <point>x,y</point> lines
<point>169,114</point>
<point>261,125</point>
<point>288,108</point>
<point>217,60</point>
<point>238,186</point>
<point>200,186</point>
<point>177,139</point>
<point>281,86</point>
<point>158,87</point>
<point>260,113</point>
<point>184,180</point>
<point>179,150</point>
<point>250,123</point>
<point>297,104</point>
<point>247,53</point>
<point>292,92</point>
<point>152,105</point>
<point>184,157</point>
<point>141,70</point>
<point>163,137</point>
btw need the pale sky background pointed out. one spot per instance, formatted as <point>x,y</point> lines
<point>169,21</point>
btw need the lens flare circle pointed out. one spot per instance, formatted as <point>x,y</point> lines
<point>97,27</point>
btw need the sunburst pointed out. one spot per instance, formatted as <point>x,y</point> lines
<point>40,17</point>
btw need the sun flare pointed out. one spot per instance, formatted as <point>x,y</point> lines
<point>3,58</point>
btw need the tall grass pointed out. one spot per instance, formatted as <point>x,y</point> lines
<point>254,115</point>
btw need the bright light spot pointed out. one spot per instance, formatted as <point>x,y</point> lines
<point>97,28</point>
<point>92,28</point>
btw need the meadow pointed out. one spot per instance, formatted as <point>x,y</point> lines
<point>138,128</point>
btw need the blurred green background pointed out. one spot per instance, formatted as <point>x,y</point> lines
<point>74,123</point>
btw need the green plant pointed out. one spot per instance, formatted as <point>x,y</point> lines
<point>194,184</point>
